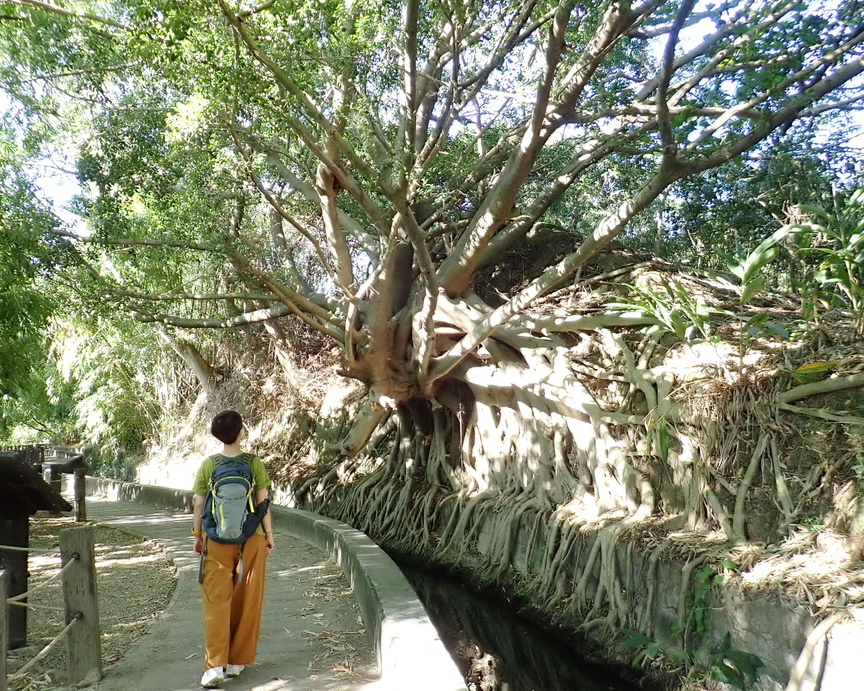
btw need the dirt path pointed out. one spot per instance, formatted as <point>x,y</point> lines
<point>312,636</point>
<point>135,581</point>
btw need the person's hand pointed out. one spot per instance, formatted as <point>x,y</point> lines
<point>199,544</point>
<point>271,544</point>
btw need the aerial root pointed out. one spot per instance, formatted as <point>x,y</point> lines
<point>686,575</point>
<point>799,673</point>
<point>580,595</point>
<point>645,622</point>
<point>492,480</point>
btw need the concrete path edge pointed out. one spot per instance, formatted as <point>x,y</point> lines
<point>409,652</point>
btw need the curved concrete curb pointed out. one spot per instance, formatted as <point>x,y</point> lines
<point>410,653</point>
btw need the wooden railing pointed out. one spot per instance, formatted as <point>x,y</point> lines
<point>81,631</point>
<point>52,462</point>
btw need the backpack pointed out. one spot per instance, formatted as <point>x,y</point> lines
<point>230,515</point>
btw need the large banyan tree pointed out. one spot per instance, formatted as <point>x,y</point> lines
<point>373,169</point>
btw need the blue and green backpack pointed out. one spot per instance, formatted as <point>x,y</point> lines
<point>230,515</point>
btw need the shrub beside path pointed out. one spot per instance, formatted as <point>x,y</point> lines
<point>312,638</point>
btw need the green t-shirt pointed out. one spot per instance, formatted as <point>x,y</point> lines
<point>260,478</point>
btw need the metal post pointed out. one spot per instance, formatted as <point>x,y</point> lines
<point>84,650</point>
<point>80,494</point>
<point>4,623</point>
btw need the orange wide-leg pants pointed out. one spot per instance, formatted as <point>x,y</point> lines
<point>232,608</point>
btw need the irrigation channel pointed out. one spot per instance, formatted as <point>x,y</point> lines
<point>497,650</point>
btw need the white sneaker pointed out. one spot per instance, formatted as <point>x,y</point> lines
<point>213,677</point>
<point>234,670</point>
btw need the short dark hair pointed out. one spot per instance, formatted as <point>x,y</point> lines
<point>226,426</point>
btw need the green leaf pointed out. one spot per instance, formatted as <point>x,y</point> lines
<point>724,647</point>
<point>635,638</point>
<point>706,573</point>
<point>813,371</point>
<point>728,675</point>
<point>747,663</point>
<point>814,210</point>
<point>752,288</point>
<point>638,658</point>
<point>818,366</point>
<point>729,564</point>
<point>755,324</point>
<point>778,330</point>
<point>677,654</point>
<point>664,440</point>
<point>764,253</point>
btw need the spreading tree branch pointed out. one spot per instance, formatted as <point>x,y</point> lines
<point>245,319</point>
<point>664,123</point>
<point>271,200</point>
<point>137,242</point>
<point>609,228</point>
<point>498,205</point>
<point>315,113</point>
<point>73,14</point>
<point>853,381</point>
<point>368,241</point>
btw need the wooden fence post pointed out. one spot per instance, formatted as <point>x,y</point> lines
<point>84,650</point>
<point>15,532</point>
<point>80,495</point>
<point>4,624</point>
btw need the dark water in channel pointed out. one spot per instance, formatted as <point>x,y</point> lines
<point>500,651</point>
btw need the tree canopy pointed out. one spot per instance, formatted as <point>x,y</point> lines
<point>28,255</point>
<point>357,164</point>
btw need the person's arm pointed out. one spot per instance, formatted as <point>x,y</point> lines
<point>267,521</point>
<point>197,527</point>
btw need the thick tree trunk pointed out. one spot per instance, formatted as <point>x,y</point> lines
<point>199,365</point>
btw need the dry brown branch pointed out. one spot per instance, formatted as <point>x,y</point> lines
<point>822,414</point>
<point>55,9</point>
<point>744,487</point>
<point>819,632</point>
<point>827,386</point>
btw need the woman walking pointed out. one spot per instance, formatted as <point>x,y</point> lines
<point>233,560</point>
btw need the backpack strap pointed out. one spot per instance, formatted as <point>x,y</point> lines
<point>241,565</point>
<point>219,459</point>
<point>216,458</point>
